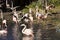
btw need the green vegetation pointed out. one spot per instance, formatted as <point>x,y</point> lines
<point>39,4</point>
<point>55,2</point>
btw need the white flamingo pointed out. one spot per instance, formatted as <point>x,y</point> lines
<point>7,5</point>
<point>30,17</point>
<point>26,15</point>
<point>42,16</point>
<point>14,19</point>
<point>46,15</point>
<point>12,7</point>
<point>3,32</point>
<point>26,20</point>
<point>4,22</point>
<point>49,7</point>
<point>38,15</point>
<point>27,31</point>
<point>15,14</point>
<point>30,10</point>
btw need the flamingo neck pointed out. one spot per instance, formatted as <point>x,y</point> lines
<point>24,29</point>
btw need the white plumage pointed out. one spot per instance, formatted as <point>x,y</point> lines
<point>26,20</point>
<point>47,7</point>
<point>30,10</point>
<point>8,5</point>
<point>15,14</point>
<point>27,31</point>
<point>26,15</point>
<point>14,19</point>
<point>38,14</point>
<point>4,21</point>
<point>3,32</point>
<point>30,17</point>
<point>46,16</point>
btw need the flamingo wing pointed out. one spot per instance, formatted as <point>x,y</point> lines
<point>28,31</point>
<point>3,31</point>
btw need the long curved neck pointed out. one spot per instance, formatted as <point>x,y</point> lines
<point>23,29</point>
<point>6,2</point>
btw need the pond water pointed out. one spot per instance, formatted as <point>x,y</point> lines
<point>39,34</point>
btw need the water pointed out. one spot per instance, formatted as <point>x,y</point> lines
<point>39,34</point>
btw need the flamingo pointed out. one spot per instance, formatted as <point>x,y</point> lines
<point>15,14</point>
<point>30,10</point>
<point>26,15</point>
<point>3,32</point>
<point>14,19</point>
<point>27,31</point>
<point>45,16</point>
<point>42,16</point>
<point>49,7</point>
<point>30,17</point>
<point>4,22</point>
<point>38,15</point>
<point>25,19</point>
<point>12,7</point>
<point>7,5</point>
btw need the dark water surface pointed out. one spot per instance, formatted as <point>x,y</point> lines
<point>39,34</point>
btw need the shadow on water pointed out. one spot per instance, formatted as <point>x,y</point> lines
<point>10,31</point>
<point>13,32</point>
<point>39,33</point>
